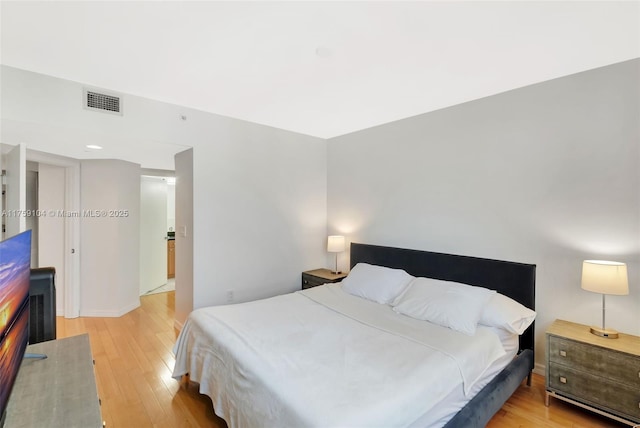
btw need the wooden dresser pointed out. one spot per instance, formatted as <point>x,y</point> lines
<point>59,391</point>
<point>596,373</point>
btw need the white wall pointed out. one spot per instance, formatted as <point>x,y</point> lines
<point>51,236</point>
<point>259,212</point>
<point>15,189</point>
<point>109,246</point>
<point>259,193</point>
<point>547,174</point>
<point>184,237</point>
<point>153,233</point>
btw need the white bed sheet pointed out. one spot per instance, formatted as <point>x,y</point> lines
<point>325,358</point>
<point>451,404</point>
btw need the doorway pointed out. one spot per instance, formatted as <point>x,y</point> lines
<point>58,194</point>
<point>157,249</point>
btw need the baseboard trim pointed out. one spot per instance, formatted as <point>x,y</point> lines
<point>178,325</point>
<point>111,313</point>
<point>540,369</point>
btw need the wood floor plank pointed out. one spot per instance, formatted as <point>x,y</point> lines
<point>134,362</point>
<point>108,386</point>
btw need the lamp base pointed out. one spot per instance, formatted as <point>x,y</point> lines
<point>336,272</point>
<point>604,332</point>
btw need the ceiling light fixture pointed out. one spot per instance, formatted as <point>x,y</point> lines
<point>93,147</point>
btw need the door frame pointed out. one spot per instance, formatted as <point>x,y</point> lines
<point>71,226</point>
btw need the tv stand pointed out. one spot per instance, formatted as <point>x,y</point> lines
<point>59,391</point>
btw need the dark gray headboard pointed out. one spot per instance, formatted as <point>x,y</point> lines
<point>515,280</point>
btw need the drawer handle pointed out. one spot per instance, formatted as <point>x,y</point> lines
<point>563,379</point>
<point>563,353</point>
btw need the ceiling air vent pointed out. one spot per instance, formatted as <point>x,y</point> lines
<point>107,103</point>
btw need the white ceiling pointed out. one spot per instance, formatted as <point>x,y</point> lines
<point>317,68</point>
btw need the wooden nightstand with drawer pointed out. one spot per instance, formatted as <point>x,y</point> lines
<point>313,278</point>
<point>596,373</point>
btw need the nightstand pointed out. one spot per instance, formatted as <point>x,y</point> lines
<point>313,278</point>
<point>596,373</point>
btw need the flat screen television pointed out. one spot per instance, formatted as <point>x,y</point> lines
<point>15,268</point>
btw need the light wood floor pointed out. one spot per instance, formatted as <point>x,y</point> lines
<point>134,364</point>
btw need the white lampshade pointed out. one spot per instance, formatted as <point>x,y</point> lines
<point>605,277</point>
<point>335,244</point>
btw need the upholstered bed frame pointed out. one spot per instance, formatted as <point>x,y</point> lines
<point>515,280</point>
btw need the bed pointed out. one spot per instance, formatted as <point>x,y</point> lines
<point>324,357</point>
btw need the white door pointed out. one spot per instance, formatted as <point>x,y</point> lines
<point>68,273</point>
<point>51,227</point>
<point>153,233</point>
<point>16,193</point>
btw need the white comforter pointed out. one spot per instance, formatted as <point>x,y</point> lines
<point>324,358</point>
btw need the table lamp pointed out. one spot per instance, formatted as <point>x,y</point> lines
<point>600,276</point>
<point>335,244</point>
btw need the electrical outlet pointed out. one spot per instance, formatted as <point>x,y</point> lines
<point>229,296</point>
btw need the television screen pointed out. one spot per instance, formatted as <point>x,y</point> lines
<point>15,268</point>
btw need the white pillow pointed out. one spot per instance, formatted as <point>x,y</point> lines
<point>449,304</point>
<point>378,283</point>
<point>507,314</point>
